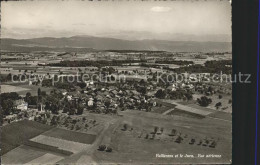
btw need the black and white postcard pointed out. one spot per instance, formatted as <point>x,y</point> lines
<point>116,82</point>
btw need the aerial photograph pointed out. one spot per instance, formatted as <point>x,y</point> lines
<point>116,82</point>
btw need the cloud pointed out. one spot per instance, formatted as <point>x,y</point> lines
<point>80,24</point>
<point>160,9</point>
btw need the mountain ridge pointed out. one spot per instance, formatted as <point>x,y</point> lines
<point>104,43</point>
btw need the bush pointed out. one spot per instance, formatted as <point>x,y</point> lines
<point>218,105</point>
<point>204,101</point>
<point>102,147</point>
<point>155,129</point>
<point>125,127</point>
<point>78,127</point>
<point>173,132</point>
<point>109,149</point>
<point>229,101</point>
<point>161,129</point>
<point>160,94</point>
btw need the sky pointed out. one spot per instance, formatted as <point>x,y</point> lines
<point>117,19</point>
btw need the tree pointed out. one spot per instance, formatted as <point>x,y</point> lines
<point>43,93</point>
<point>204,101</point>
<point>47,82</point>
<point>80,109</point>
<point>109,149</point>
<point>7,106</point>
<point>54,120</point>
<point>160,94</point>
<point>72,111</point>
<point>78,127</point>
<point>107,103</point>
<point>125,127</point>
<point>161,129</point>
<point>32,100</point>
<point>218,105</point>
<point>102,147</point>
<point>39,94</point>
<point>188,95</point>
<point>210,89</point>
<point>220,96</point>
<point>155,129</point>
<point>11,95</point>
<point>229,101</point>
<point>81,85</point>
<point>9,77</point>
<point>142,90</point>
<point>178,139</point>
<point>47,105</point>
<point>66,108</point>
<point>27,96</point>
<point>1,117</point>
<point>173,132</point>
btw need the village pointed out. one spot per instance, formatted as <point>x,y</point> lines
<point>109,90</point>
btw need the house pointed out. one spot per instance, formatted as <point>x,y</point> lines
<point>134,92</point>
<point>106,93</point>
<point>99,104</point>
<point>114,93</point>
<point>151,94</point>
<point>136,98</point>
<point>21,105</point>
<point>90,102</point>
<point>42,64</point>
<point>69,97</point>
<point>127,92</point>
<point>129,105</point>
<point>10,118</point>
<point>99,98</point>
<point>32,107</point>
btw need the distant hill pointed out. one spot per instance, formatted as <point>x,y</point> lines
<point>90,43</point>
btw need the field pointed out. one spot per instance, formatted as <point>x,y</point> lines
<point>17,133</point>
<point>46,159</point>
<point>23,88</point>
<point>66,140</point>
<point>60,143</point>
<point>37,143</point>
<point>160,110</point>
<point>127,143</point>
<point>70,135</point>
<point>22,154</point>
<point>217,114</point>
<point>11,88</point>
<point>28,155</point>
<point>179,112</point>
<point>222,115</point>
